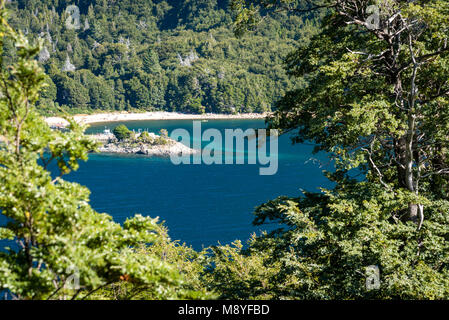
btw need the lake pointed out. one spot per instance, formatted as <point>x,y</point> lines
<point>201,205</point>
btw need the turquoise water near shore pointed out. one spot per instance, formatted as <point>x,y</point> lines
<point>200,204</point>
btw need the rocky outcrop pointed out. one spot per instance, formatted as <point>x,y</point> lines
<point>154,148</point>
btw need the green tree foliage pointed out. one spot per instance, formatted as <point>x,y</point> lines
<point>150,61</point>
<point>188,262</point>
<point>53,244</point>
<point>375,96</point>
<point>135,55</point>
<point>121,132</point>
<point>237,273</point>
<point>145,137</point>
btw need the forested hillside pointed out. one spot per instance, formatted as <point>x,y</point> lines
<point>157,55</point>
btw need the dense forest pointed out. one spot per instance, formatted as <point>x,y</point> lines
<point>371,90</point>
<point>157,55</point>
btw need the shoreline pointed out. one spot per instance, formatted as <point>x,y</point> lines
<point>156,115</point>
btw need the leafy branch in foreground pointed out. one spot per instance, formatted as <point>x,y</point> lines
<point>376,99</point>
<point>54,245</point>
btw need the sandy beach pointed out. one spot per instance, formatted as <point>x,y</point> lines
<point>158,115</point>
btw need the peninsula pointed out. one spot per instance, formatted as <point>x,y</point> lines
<point>145,143</point>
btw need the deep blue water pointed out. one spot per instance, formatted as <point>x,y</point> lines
<point>200,204</point>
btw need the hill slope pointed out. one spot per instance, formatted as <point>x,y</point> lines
<point>156,55</point>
